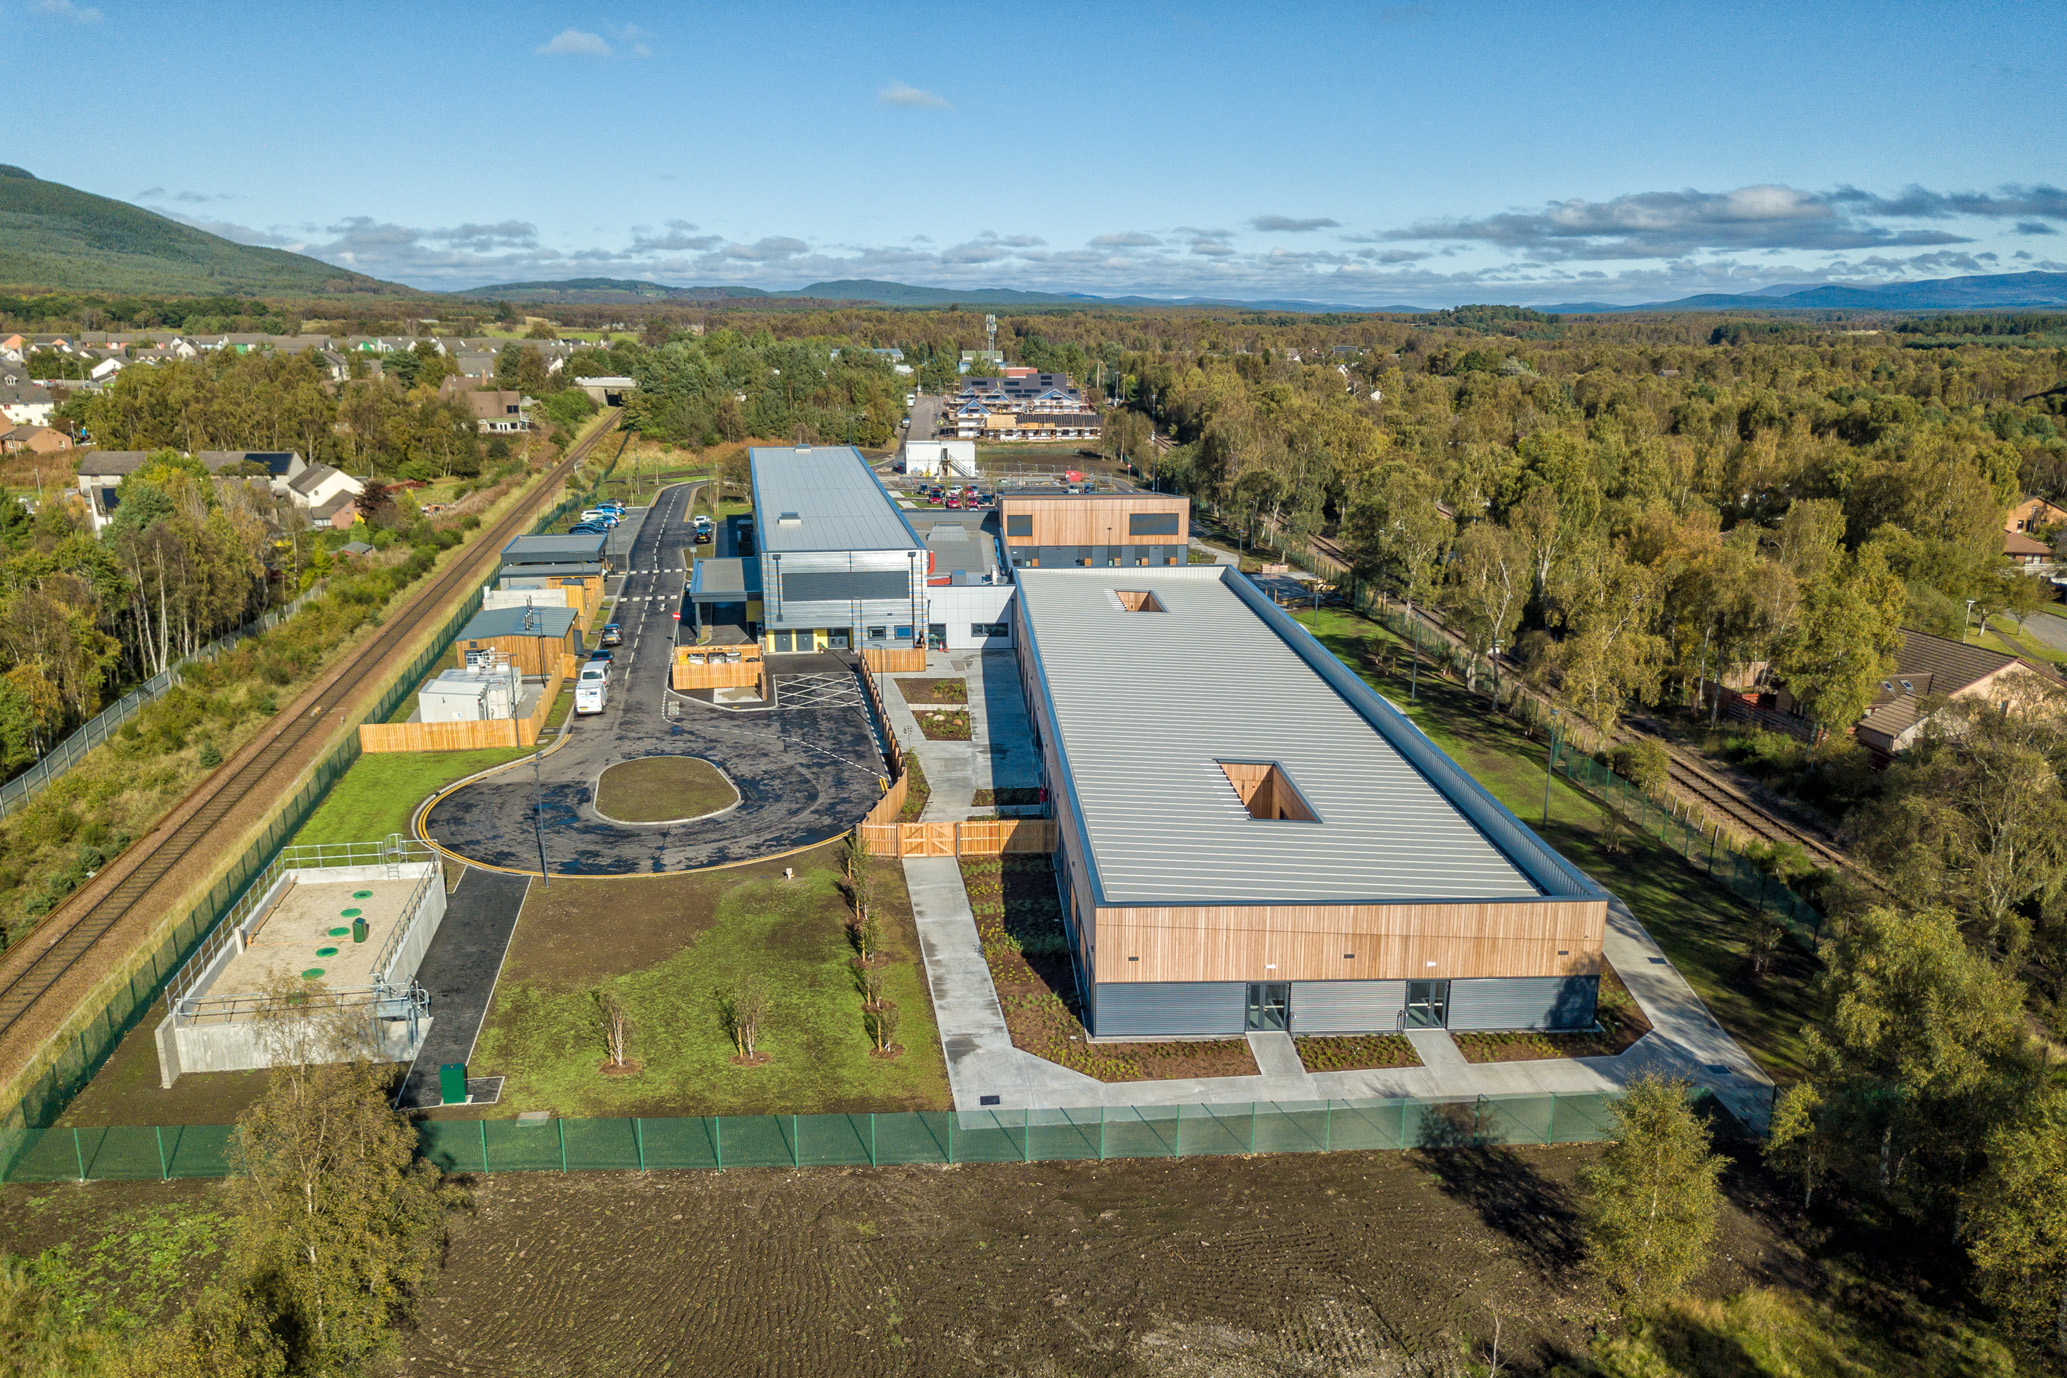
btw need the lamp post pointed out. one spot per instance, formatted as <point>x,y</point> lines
<point>1550,763</point>
<point>1968,618</point>
<point>1496,673</point>
<point>538,819</point>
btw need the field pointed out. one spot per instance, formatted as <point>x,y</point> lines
<point>1702,927</point>
<point>671,947</point>
<point>1299,1264</point>
<point>660,789</point>
<point>380,792</point>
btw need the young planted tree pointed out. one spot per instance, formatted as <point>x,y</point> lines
<point>871,982</point>
<point>882,1027</point>
<point>614,1022</point>
<point>744,1009</point>
<point>1654,1201</point>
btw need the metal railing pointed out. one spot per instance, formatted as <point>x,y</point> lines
<point>911,1137</point>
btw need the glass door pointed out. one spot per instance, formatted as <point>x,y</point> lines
<point>1428,1004</point>
<point>1270,1005</point>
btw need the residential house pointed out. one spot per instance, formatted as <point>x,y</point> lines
<point>319,485</point>
<point>338,512</point>
<point>14,347</point>
<point>26,403</point>
<point>495,412</point>
<point>104,370</point>
<point>39,440</point>
<point>2034,514</point>
<point>1931,670</point>
<point>2028,555</point>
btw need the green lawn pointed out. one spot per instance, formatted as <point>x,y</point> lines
<point>2002,635</point>
<point>670,947</point>
<point>1702,926</point>
<point>379,793</point>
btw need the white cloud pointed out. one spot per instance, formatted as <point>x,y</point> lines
<point>1128,239</point>
<point>68,12</point>
<point>911,97</point>
<point>575,43</point>
<point>1286,224</point>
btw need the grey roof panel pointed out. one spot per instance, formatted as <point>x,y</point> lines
<point>834,496</point>
<point>1148,703</point>
<point>553,550</point>
<point>489,622</point>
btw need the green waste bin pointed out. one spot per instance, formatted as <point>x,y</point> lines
<point>359,930</point>
<point>452,1083</point>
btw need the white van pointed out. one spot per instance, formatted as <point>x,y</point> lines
<point>591,687</point>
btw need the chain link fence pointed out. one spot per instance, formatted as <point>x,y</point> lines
<point>924,1137</point>
<point>87,1048</point>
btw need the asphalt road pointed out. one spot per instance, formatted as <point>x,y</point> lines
<point>805,771</point>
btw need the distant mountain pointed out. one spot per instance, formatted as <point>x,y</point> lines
<point>58,238</point>
<point>603,291</point>
<point>1988,292</point>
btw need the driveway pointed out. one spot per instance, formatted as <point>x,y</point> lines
<point>806,770</point>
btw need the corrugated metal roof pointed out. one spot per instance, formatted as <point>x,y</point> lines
<point>553,550</point>
<point>724,580</point>
<point>550,622</point>
<point>587,570</point>
<point>835,500</point>
<point>1148,703</point>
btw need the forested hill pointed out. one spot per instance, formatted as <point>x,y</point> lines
<point>58,238</point>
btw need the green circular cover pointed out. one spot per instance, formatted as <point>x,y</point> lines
<point>326,952</point>
<point>352,913</point>
<point>339,932</point>
<point>312,974</point>
<point>362,894</point>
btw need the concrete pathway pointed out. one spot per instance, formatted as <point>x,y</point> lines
<point>1686,1041</point>
<point>999,753</point>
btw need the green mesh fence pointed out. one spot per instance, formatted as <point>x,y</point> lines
<point>23,1130</point>
<point>874,1140</point>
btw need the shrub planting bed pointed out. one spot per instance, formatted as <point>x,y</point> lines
<point>1019,919</point>
<point>943,724</point>
<point>1355,1052</point>
<point>1621,1024</point>
<point>1006,798</point>
<point>953,690</point>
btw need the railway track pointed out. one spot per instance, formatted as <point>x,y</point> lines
<point>77,935</point>
<point>1721,801</point>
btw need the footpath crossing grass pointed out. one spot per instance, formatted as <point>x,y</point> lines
<point>380,792</point>
<point>1703,928</point>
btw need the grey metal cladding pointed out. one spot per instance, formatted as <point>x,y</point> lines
<point>1322,1007</point>
<point>845,586</point>
<point>1170,1009</point>
<point>1524,1002</point>
<point>1142,707</point>
<point>1151,523</point>
<point>835,498</point>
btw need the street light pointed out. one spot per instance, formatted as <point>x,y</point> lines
<point>1550,763</point>
<point>1969,618</point>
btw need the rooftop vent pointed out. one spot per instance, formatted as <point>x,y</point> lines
<point>1136,600</point>
<point>1266,791</point>
<point>788,519</point>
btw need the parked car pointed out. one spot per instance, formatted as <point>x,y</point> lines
<point>588,529</point>
<point>590,688</point>
<point>613,635</point>
<point>703,535</point>
<point>600,654</point>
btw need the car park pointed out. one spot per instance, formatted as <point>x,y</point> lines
<point>613,635</point>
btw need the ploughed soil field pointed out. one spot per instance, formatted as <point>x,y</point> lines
<point>1338,1264</point>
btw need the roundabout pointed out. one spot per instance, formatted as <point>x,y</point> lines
<point>663,789</point>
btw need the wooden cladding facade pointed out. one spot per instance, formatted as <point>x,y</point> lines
<point>716,667</point>
<point>1364,942</point>
<point>534,656</point>
<point>1092,520</point>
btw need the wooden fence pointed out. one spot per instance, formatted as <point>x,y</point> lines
<point>893,662</point>
<point>469,736</point>
<point>978,837</point>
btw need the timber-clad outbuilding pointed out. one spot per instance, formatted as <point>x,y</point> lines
<point>840,566</point>
<point>1251,838</point>
<point>1095,530</point>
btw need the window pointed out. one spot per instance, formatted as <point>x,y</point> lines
<point>989,629</point>
<point>1266,791</point>
<point>878,633</point>
<point>1019,526</point>
<point>904,633</point>
<point>1151,523</point>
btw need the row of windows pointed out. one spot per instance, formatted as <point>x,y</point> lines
<point>1060,557</point>
<point>1138,524</point>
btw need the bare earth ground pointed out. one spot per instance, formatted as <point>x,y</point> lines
<point>942,690</point>
<point>1284,1265</point>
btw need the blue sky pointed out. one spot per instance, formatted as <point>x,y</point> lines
<point>1364,153</point>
